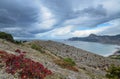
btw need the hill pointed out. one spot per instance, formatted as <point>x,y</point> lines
<point>101,39</point>
<point>65,62</point>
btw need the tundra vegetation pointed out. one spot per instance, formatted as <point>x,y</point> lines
<point>24,67</point>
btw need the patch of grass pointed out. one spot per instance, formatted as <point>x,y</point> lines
<point>67,63</point>
<point>38,48</point>
<point>70,61</point>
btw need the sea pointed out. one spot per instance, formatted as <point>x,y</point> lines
<point>97,48</point>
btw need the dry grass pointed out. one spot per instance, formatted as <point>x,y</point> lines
<point>66,65</point>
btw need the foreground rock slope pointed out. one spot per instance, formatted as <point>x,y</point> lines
<point>50,54</point>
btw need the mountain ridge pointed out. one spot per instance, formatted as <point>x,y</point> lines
<point>101,39</point>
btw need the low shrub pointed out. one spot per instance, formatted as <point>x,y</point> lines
<point>6,36</point>
<point>67,63</point>
<point>70,61</point>
<point>26,68</point>
<point>17,42</point>
<point>38,48</point>
<point>113,72</point>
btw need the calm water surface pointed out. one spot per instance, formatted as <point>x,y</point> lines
<point>97,48</point>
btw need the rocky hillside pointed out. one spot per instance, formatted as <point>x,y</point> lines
<point>102,39</point>
<point>65,62</point>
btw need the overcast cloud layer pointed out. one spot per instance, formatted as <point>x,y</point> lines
<point>51,19</point>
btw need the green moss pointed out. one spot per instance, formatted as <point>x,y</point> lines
<point>70,61</point>
<point>38,48</point>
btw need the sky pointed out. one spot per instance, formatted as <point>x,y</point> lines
<point>59,19</point>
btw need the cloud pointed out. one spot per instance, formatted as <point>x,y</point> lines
<point>42,17</point>
<point>58,33</point>
<point>68,32</point>
<point>114,28</point>
<point>84,33</point>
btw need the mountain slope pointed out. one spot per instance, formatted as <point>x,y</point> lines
<point>89,62</point>
<point>50,53</point>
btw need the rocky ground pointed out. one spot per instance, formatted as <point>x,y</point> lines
<point>88,65</point>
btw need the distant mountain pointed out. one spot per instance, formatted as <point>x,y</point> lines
<point>102,39</point>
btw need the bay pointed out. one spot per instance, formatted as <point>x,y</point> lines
<point>97,48</point>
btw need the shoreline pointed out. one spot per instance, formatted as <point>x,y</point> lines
<point>90,47</point>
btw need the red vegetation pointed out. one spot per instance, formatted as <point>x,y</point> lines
<point>27,68</point>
